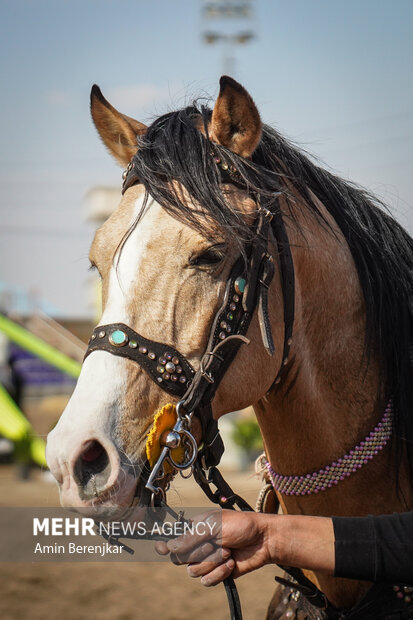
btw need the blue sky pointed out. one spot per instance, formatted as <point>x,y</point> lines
<point>336,77</point>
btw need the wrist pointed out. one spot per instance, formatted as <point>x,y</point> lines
<point>301,541</point>
<point>278,539</point>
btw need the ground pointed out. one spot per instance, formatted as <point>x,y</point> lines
<point>116,591</point>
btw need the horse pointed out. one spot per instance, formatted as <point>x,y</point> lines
<point>334,376</point>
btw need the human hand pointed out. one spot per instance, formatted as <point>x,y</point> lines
<point>234,543</point>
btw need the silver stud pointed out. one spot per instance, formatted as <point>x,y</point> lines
<point>182,379</point>
<point>178,369</point>
<point>222,335</point>
<point>168,356</point>
<point>160,369</point>
<point>151,355</point>
<point>170,439</point>
<point>170,367</point>
<point>223,324</point>
<point>143,350</point>
<point>167,376</point>
<point>228,329</point>
<point>232,307</point>
<point>93,336</point>
<point>132,344</point>
<point>235,298</point>
<point>162,361</point>
<point>102,334</point>
<point>174,377</point>
<point>175,360</point>
<point>159,379</point>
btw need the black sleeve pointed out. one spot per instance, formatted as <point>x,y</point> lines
<point>375,548</point>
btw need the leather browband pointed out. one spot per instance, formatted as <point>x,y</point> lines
<point>164,364</point>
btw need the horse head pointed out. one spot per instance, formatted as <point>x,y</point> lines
<point>164,258</point>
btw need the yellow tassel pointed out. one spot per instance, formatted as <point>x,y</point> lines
<point>164,420</point>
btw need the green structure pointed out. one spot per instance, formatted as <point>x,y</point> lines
<point>13,424</point>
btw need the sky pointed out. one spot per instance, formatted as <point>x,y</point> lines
<point>336,77</point>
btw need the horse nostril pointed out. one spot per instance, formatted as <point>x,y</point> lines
<point>92,451</point>
<point>92,462</point>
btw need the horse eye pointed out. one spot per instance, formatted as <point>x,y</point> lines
<point>211,256</point>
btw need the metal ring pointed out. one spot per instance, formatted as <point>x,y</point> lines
<point>186,476</point>
<point>159,491</point>
<point>179,406</point>
<point>191,460</point>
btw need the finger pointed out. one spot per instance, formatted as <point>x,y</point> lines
<point>161,548</point>
<point>218,574</point>
<point>199,554</point>
<point>203,528</point>
<point>203,568</point>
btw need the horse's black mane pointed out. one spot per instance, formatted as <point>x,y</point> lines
<point>174,149</point>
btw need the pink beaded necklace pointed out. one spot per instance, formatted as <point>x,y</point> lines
<point>325,478</point>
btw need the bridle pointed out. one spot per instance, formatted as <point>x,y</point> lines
<point>246,289</point>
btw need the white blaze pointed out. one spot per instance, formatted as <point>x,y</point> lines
<point>94,405</point>
<point>126,264</point>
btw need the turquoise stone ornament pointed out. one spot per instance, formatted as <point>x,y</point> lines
<point>239,285</point>
<point>118,338</point>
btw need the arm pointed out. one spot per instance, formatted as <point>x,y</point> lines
<point>246,541</point>
<point>375,548</point>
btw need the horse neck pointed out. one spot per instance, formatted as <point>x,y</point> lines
<point>329,399</point>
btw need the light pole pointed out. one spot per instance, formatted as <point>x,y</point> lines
<point>228,23</point>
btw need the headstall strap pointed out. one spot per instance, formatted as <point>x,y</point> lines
<point>288,287</point>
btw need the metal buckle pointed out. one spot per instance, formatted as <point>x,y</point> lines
<point>266,213</point>
<point>204,373</point>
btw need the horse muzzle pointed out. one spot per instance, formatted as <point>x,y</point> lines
<point>95,477</point>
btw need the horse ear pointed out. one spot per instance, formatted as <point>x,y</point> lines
<point>118,131</point>
<point>235,122</point>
